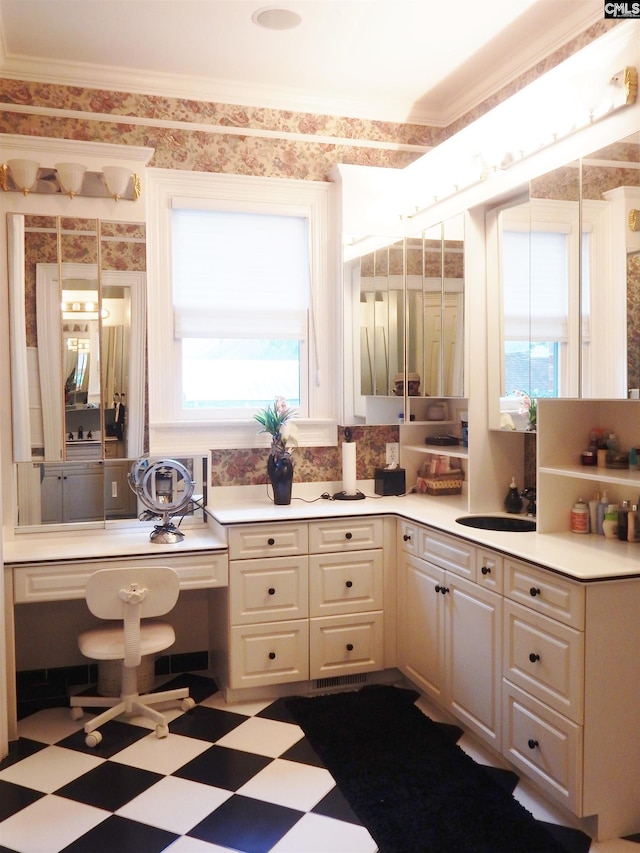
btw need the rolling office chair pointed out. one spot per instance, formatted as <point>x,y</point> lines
<point>131,595</point>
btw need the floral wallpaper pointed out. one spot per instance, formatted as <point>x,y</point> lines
<point>633,319</point>
<point>311,464</point>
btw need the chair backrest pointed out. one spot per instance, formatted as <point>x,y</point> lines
<point>107,591</point>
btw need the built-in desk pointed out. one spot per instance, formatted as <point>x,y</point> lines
<point>48,567</point>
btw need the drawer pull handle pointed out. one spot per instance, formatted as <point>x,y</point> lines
<point>407,537</point>
<point>485,570</point>
<point>271,541</point>
<point>348,535</point>
<point>271,590</point>
<point>534,591</point>
<point>442,589</point>
<point>272,655</point>
<point>349,584</point>
<point>349,647</point>
<point>533,657</point>
<point>531,743</point>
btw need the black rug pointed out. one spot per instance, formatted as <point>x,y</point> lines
<point>409,783</point>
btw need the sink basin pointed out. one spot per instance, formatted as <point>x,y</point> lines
<point>496,522</point>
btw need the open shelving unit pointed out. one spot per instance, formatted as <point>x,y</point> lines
<point>563,433</point>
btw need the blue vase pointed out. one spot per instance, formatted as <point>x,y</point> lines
<point>280,472</point>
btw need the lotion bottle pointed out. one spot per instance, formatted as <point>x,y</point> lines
<point>633,527</point>
<point>593,512</point>
<point>513,501</point>
<point>602,508</point>
<point>580,517</point>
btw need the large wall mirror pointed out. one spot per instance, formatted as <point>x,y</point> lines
<point>407,299</point>
<point>78,347</point>
<point>561,276</point>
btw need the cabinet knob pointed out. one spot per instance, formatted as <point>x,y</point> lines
<point>407,537</point>
<point>271,590</point>
<point>272,655</point>
<point>533,657</point>
<point>534,591</point>
<point>349,647</point>
<point>531,743</point>
<point>442,589</point>
<point>349,584</point>
<point>271,541</point>
<point>485,570</point>
<point>348,535</point>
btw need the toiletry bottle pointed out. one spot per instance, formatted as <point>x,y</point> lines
<point>580,517</point>
<point>633,458</point>
<point>593,512</point>
<point>623,521</point>
<point>610,522</point>
<point>632,524</point>
<point>80,433</point>
<point>602,508</point>
<point>513,501</point>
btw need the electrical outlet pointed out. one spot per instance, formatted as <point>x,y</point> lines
<point>393,453</point>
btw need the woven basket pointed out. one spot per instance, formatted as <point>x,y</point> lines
<point>439,485</point>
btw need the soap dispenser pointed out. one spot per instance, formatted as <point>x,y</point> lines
<point>513,501</point>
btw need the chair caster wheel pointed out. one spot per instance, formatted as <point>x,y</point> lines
<point>76,713</point>
<point>93,739</point>
<point>187,704</point>
<point>162,730</point>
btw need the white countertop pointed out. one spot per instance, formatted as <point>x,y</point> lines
<point>581,557</point>
<point>105,542</point>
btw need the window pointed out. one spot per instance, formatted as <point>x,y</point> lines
<point>240,287</point>
<point>244,305</point>
<point>535,270</point>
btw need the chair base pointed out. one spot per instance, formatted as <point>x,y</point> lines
<point>127,704</point>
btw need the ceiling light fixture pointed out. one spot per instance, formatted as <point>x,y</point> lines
<point>274,18</point>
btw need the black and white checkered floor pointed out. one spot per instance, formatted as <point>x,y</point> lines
<point>228,777</point>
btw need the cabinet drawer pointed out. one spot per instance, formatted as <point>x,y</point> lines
<point>545,658</point>
<point>267,540</point>
<point>345,583</point>
<point>448,552</point>
<point>341,645</point>
<point>545,592</point>
<point>268,590</point>
<point>489,569</point>
<point>544,745</point>
<point>269,654</point>
<point>67,581</point>
<point>408,537</point>
<point>351,534</point>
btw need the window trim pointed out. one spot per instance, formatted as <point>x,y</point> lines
<point>171,429</point>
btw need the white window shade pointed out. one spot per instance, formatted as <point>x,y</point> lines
<point>239,275</point>
<point>535,286</point>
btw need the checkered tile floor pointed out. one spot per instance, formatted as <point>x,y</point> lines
<point>240,777</point>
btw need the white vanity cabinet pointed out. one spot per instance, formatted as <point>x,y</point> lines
<point>305,601</point>
<point>544,678</point>
<point>450,625</point>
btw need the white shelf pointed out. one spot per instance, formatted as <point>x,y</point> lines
<point>453,451</point>
<point>616,476</point>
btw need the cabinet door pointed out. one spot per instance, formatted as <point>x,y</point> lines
<point>83,493</point>
<point>473,656</point>
<point>268,590</point>
<point>421,630</point>
<point>345,645</point>
<point>274,653</point>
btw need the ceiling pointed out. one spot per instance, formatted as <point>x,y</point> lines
<point>423,61</point>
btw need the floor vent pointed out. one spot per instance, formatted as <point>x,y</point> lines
<point>341,681</point>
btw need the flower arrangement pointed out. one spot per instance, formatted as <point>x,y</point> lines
<point>275,419</point>
<point>529,407</point>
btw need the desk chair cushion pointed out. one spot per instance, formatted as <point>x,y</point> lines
<point>108,643</point>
